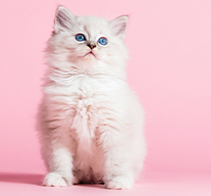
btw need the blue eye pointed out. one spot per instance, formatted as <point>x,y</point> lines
<point>80,37</point>
<point>103,41</point>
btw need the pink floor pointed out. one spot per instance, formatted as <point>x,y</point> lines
<point>156,184</point>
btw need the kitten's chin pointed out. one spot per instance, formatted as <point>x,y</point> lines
<point>90,54</point>
<point>89,57</point>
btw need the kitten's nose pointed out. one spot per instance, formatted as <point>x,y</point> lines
<point>91,45</point>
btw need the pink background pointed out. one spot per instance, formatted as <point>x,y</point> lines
<point>169,68</point>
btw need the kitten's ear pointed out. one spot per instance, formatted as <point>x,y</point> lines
<point>64,19</point>
<point>118,26</point>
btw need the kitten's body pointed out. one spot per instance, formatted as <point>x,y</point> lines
<point>90,122</point>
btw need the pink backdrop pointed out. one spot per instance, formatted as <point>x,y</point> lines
<point>169,68</point>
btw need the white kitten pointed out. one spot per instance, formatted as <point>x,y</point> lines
<point>90,122</point>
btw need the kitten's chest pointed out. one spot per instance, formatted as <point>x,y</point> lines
<point>87,116</point>
<point>89,89</point>
<point>87,92</point>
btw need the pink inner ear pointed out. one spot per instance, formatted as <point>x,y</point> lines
<point>119,25</point>
<point>63,19</point>
<point>121,29</point>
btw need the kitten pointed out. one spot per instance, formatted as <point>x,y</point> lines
<point>90,122</point>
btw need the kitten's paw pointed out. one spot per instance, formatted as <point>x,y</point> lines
<point>119,183</point>
<point>54,179</point>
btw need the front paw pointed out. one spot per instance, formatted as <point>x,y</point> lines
<point>119,183</point>
<point>55,180</point>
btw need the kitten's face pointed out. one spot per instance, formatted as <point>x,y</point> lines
<point>83,39</point>
<point>88,39</point>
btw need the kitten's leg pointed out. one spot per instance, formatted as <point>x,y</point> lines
<point>58,158</point>
<point>57,145</point>
<point>118,169</point>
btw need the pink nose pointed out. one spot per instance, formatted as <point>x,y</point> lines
<point>91,46</point>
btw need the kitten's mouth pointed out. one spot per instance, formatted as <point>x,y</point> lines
<point>90,53</point>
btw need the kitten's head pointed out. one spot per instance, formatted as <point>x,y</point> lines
<point>84,40</point>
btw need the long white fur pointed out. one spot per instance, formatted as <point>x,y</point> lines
<point>90,122</point>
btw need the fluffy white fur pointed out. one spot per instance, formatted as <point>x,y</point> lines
<point>90,122</point>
